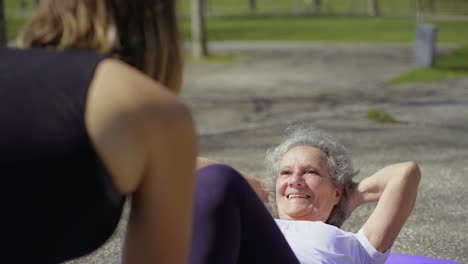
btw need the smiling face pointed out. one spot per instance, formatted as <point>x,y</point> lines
<point>304,188</point>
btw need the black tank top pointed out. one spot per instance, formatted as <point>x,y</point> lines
<point>58,200</point>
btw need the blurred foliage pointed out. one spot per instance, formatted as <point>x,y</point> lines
<point>381,116</point>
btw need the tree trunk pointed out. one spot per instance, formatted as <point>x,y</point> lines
<point>374,8</point>
<point>253,6</point>
<point>317,6</point>
<point>199,46</point>
<point>411,7</point>
<point>3,35</point>
<point>353,7</point>
<point>23,5</point>
<point>431,5</point>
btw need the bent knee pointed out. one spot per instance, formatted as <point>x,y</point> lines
<point>219,175</point>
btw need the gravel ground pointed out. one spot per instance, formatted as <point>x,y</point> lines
<point>242,107</point>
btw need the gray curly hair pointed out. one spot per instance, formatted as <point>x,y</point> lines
<point>339,163</point>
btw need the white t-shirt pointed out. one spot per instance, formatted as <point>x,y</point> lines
<point>320,243</point>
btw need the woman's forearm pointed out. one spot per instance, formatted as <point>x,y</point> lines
<point>395,188</point>
<point>371,188</point>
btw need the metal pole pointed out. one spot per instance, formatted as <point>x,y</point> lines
<point>199,46</point>
<point>295,7</point>
<point>411,7</point>
<point>353,7</point>
<point>317,6</point>
<point>253,6</point>
<point>374,7</point>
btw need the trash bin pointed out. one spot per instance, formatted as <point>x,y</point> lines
<point>424,45</point>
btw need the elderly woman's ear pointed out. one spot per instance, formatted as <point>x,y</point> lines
<point>338,194</point>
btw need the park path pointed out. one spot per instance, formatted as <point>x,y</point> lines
<point>241,108</point>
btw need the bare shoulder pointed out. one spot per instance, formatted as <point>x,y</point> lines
<point>119,78</point>
<point>122,106</point>
<point>121,71</point>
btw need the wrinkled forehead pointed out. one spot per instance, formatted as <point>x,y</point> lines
<point>304,156</point>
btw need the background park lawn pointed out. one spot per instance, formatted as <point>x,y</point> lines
<point>345,20</point>
<point>328,29</point>
<point>232,20</point>
<point>387,7</point>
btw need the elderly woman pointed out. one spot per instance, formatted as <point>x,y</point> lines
<point>314,195</point>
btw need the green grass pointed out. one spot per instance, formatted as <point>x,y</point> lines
<point>381,116</point>
<point>453,65</point>
<point>311,28</point>
<point>16,17</point>
<point>330,29</point>
<point>217,59</point>
<point>13,27</point>
<point>389,7</point>
<point>14,5</point>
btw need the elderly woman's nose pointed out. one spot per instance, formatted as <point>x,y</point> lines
<point>296,180</point>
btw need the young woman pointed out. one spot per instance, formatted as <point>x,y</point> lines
<point>89,115</point>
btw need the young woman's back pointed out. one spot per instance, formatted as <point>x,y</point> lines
<point>60,201</point>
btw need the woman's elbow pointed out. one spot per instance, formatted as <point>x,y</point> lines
<point>412,172</point>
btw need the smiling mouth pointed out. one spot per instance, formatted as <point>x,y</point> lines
<point>295,195</point>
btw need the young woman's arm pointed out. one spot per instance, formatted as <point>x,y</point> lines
<point>255,183</point>
<point>395,188</point>
<point>146,139</point>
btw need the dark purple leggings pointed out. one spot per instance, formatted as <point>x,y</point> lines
<point>231,224</point>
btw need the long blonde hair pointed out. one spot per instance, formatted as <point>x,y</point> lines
<point>143,33</point>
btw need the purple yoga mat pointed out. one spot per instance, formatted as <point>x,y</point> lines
<point>395,258</point>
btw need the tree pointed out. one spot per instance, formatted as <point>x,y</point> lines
<point>23,5</point>
<point>3,37</point>
<point>427,6</point>
<point>317,6</point>
<point>199,46</point>
<point>253,6</point>
<point>374,8</point>
<point>353,7</point>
